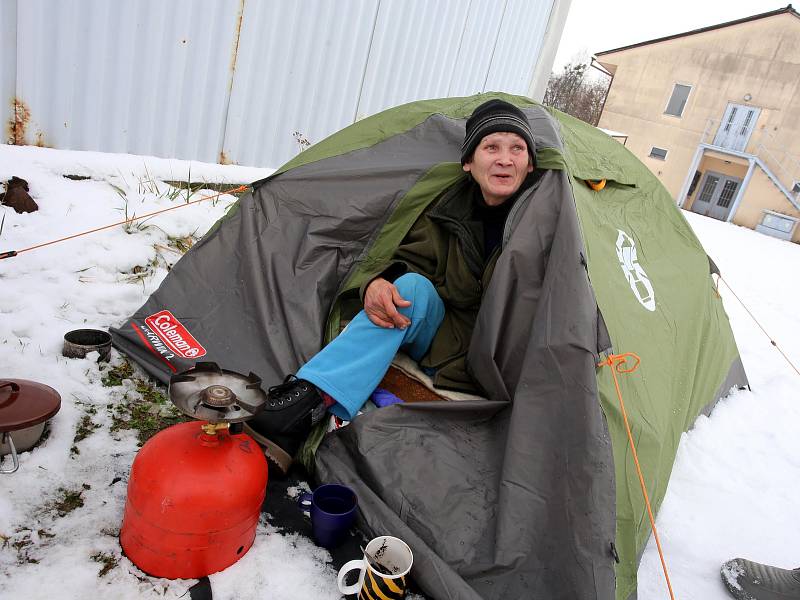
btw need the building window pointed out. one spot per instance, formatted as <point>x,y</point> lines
<point>677,102</point>
<point>658,153</point>
<point>796,187</point>
<point>726,196</point>
<point>695,181</point>
<point>746,124</point>
<point>708,188</point>
<point>778,222</point>
<point>731,118</point>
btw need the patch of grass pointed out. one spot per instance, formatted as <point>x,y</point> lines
<point>108,560</point>
<point>139,273</point>
<point>132,224</point>
<point>176,246</point>
<point>150,392</point>
<point>116,374</point>
<point>189,184</point>
<point>145,416</point>
<point>21,543</point>
<point>174,189</point>
<point>120,192</point>
<point>84,429</point>
<point>182,244</point>
<point>69,500</point>
<point>217,187</point>
<point>147,183</point>
<point>148,411</point>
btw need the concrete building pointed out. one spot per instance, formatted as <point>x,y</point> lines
<point>715,114</point>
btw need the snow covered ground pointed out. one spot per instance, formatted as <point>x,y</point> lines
<point>733,490</point>
<point>735,486</point>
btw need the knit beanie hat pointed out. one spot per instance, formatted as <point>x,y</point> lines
<point>491,117</point>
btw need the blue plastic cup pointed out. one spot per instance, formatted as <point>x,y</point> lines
<point>333,510</point>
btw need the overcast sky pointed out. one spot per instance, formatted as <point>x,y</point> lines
<point>594,26</point>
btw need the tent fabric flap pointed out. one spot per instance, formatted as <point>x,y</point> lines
<point>513,497</point>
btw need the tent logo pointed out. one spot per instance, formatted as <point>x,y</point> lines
<point>175,335</point>
<point>633,271</point>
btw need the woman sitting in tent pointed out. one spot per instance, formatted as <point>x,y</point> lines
<point>426,299</point>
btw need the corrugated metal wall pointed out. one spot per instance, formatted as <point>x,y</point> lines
<point>144,76</point>
<point>300,69</point>
<point>233,80</point>
<point>8,67</point>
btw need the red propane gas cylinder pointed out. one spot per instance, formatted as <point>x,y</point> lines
<point>193,501</point>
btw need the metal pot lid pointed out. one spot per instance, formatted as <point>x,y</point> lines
<point>25,403</point>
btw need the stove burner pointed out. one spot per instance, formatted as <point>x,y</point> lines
<point>217,396</point>
<point>209,393</point>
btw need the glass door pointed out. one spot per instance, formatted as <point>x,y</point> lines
<point>716,196</point>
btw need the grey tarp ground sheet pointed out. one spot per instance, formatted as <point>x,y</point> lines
<point>511,497</point>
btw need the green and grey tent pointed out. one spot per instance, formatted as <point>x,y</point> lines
<point>532,492</point>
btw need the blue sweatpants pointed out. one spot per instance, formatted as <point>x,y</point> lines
<point>353,364</point>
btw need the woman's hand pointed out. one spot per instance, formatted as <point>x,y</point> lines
<point>381,300</point>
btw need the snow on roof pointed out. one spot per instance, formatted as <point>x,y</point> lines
<point>613,133</point>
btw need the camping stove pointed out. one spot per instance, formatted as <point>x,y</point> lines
<point>196,489</point>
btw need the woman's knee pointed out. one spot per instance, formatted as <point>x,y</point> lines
<point>419,290</point>
<point>412,284</point>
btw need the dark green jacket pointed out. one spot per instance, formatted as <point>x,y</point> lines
<point>446,246</point>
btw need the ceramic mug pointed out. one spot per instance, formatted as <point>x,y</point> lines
<point>382,572</point>
<point>333,509</point>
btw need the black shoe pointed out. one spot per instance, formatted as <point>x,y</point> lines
<point>748,580</point>
<point>292,409</point>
